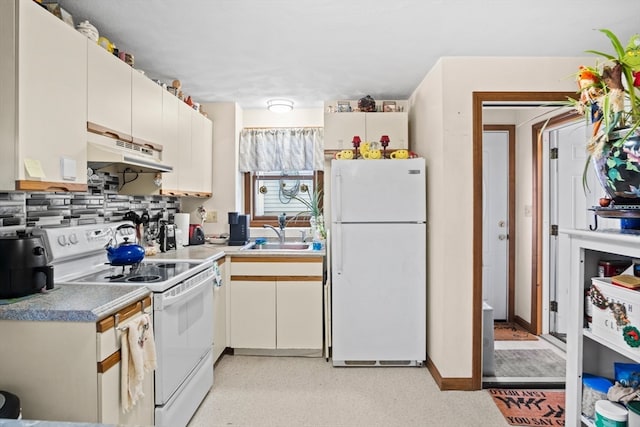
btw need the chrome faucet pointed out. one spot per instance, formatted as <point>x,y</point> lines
<point>282,222</point>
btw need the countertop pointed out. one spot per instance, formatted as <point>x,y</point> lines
<point>91,303</point>
<point>73,303</point>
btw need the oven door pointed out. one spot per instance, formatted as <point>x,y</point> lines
<point>183,323</point>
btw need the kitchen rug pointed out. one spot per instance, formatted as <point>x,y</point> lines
<point>530,407</point>
<point>529,363</point>
<point>511,332</point>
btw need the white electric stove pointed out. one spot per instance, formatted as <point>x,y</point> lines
<point>182,315</point>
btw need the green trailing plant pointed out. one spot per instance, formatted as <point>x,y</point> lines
<point>313,203</point>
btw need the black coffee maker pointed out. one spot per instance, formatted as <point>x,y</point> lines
<point>238,229</point>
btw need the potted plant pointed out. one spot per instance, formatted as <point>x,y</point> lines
<point>609,99</point>
<point>313,203</point>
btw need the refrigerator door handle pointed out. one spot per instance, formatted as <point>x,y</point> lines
<point>337,200</point>
<point>337,248</point>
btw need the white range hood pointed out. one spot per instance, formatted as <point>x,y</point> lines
<point>103,151</point>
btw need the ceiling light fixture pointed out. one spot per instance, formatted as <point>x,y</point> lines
<point>279,105</point>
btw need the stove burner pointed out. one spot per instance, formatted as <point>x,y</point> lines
<point>149,278</point>
<point>114,276</point>
<point>166,265</point>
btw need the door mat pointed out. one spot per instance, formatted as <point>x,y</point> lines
<point>537,363</point>
<point>530,407</point>
<point>511,332</point>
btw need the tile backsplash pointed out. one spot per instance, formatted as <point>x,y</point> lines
<point>101,203</point>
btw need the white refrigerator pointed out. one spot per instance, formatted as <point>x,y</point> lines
<point>378,262</point>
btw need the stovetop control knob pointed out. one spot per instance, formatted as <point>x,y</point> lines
<point>62,240</point>
<point>73,239</point>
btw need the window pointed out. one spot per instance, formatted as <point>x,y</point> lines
<point>269,194</point>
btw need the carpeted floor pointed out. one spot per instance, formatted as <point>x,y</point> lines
<point>530,407</point>
<point>529,363</point>
<point>252,391</point>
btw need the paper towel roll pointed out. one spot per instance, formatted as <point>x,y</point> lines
<point>182,223</point>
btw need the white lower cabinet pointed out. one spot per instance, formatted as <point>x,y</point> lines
<point>588,352</point>
<point>276,303</point>
<point>70,371</point>
<point>220,312</point>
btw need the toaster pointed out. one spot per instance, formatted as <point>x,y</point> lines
<point>196,234</point>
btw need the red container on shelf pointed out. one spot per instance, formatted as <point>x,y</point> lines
<point>609,268</point>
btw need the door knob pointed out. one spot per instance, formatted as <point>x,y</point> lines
<point>502,237</point>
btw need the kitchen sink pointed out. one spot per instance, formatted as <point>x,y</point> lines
<point>279,247</point>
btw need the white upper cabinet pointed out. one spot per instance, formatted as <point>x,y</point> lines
<point>170,139</point>
<point>341,127</point>
<point>146,109</point>
<point>192,167</point>
<point>43,108</point>
<point>109,93</point>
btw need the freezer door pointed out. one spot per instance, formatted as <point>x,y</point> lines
<point>378,191</point>
<point>379,292</point>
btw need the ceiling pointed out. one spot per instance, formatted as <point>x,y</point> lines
<point>250,51</point>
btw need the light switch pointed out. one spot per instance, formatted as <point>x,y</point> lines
<point>68,169</point>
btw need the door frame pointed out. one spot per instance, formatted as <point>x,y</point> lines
<point>511,214</point>
<point>478,99</point>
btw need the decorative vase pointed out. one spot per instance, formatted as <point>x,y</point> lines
<point>618,168</point>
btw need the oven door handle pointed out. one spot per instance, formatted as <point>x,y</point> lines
<point>168,300</point>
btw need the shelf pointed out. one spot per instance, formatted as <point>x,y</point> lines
<point>587,421</point>
<point>624,352</point>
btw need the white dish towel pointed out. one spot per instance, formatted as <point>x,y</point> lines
<point>138,356</point>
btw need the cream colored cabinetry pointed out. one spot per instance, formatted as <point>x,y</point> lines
<point>192,169</point>
<point>43,81</point>
<point>340,128</point>
<point>146,109</point>
<point>276,303</point>
<point>170,138</point>
<point>220,312</point>
<point>587,352</point>
<point>70,371</point>
<point>109,93</point>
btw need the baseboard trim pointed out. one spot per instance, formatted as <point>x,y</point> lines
<point>526,325</point>
<point>449,384</point>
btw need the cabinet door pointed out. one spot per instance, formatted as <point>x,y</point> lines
<point>340,128</point>
<point>146,109</point>
<point>253,314</point>
<point>395,125</point>
<point>200,153</point>
<point>110,407</point>
<point>171,139</point>
<point>52,91</point>
<point>299,315</point>
<point>220,315</point>
<point>109,92</point>
<point>185,173</point>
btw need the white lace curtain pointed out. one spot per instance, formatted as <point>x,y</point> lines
<point>281,149</point>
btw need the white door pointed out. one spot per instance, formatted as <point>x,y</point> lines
<point>567,208</point>
<point>495,227</point>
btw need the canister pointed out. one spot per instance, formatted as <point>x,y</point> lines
<point>610,414</point>
<point>609,268</point>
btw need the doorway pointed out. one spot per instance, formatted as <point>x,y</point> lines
<point>498,212</point>
<point>480,100</point>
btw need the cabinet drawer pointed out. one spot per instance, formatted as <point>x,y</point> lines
<point>108,336</point>
<point>275,267</point>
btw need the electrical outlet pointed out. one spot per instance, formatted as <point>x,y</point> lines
<point>212,216</point>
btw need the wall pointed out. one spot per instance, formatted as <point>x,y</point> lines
<point>440,117</point>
